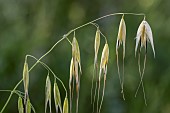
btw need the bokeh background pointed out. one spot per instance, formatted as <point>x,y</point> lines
<point>33,26</point>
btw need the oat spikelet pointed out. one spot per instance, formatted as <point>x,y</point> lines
<point>20,105</point>
<point>76,52</point>
<point>103,68</point>
<point>96,49</point>
<point>28,106</point>
<point>121,38</point>
<point>97,44</point>
<point>144,35</point>
<point>75,67</point>
<point>57,98</point>
<point>65,106</point>
<point>26,80</point>
<point>48,93</point>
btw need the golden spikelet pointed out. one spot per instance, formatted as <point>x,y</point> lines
<point>103,68</point>
<point>121,39</point>
<point>144,35</point>
<point>97,44</point>
<point>75,65</point>
<point>104,57</point>
<point>96,49</point>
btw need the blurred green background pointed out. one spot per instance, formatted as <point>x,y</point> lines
<point>33,26</point>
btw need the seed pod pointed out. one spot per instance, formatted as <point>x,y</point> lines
<point>28,106</point>
<point>57,98</point>
<point>20,105</point>
<point>48,93</point>
<point>97,44</point>
<point>65,106</point>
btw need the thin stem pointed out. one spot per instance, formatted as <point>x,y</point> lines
<point>19,94</point>
<point>119,76</point>
<point>16,92</point>
<point>11,95</point>
<point>47,67</point>
<point>48,52</point>
<point>141,77</point>
<point>139,72</point>
<point>92,83</point>
<point>69,41</point>
<point>104,85</point>
<point>94,99</point>
<point>97,26</point>
<point>103,36</point>
<point>123,80</point>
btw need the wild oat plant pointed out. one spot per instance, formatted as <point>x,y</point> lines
<point>143,36</point>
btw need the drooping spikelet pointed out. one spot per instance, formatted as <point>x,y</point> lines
<point>97,44</point>
<point>104,57</point>
<point>75,67</point>
<point>20,105</point>
<point>144,35</point>
<point>65,105</point>
<point>121,37</point>
<point>103,68</point>
<point>48,93</point>
<point>28,106</point>
<point>57,98</point>
<point>26,80</point>
<point>96,49</point>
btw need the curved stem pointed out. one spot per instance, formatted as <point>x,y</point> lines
<point>49,69</point>
<point>11,95</point>
<point>16,92</point>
